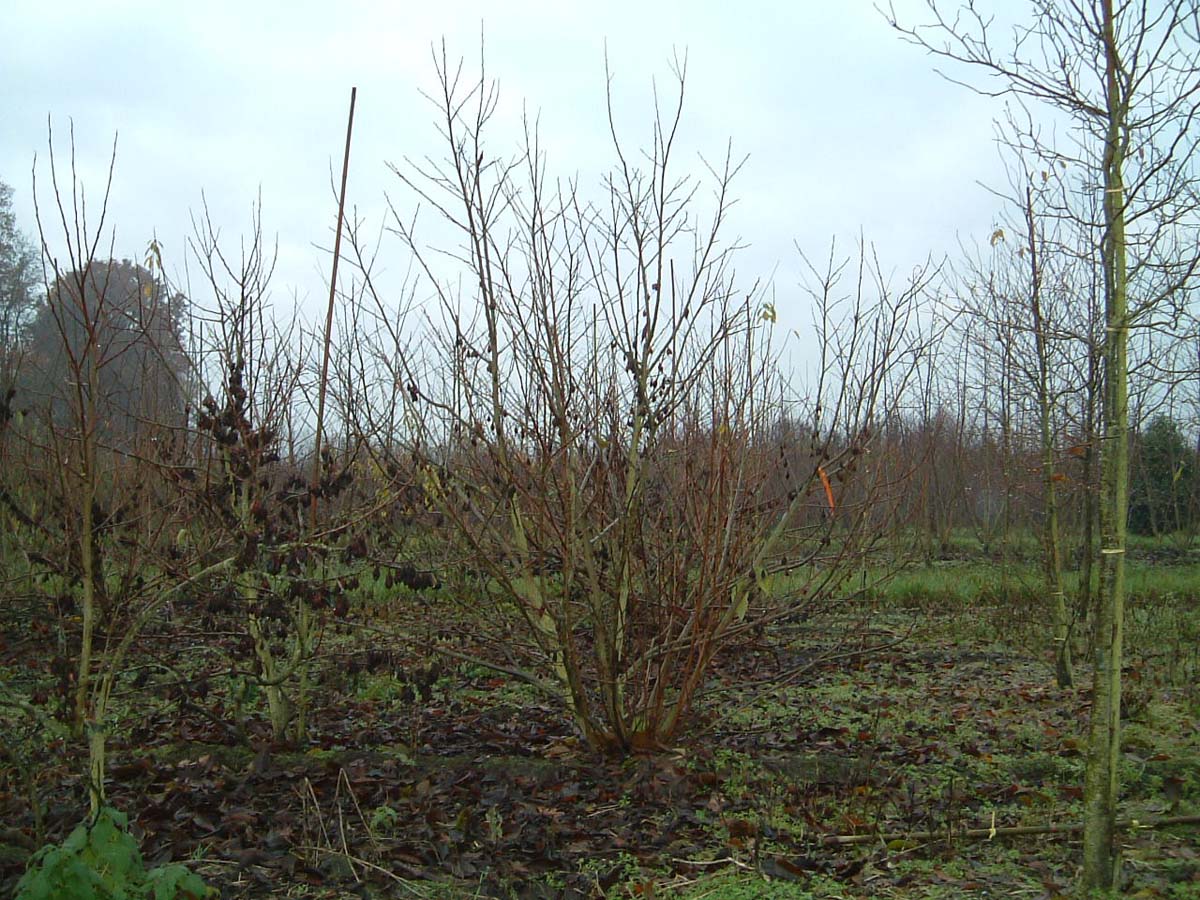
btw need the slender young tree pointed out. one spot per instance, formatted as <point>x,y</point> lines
<point>92,510</point>
<point>1127,76</point>
<point>1051,542</point>
<point>1021,293</point>
<point>1100,857</point>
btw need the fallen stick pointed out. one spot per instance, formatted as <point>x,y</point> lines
<point>1005,831</point>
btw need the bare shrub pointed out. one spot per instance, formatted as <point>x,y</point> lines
<point>599,420</point>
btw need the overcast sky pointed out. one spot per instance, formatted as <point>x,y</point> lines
<point>845,126</point>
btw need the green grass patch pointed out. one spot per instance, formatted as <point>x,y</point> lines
<point>970,582</point>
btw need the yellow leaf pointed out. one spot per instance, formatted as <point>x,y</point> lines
<point>997,236</point>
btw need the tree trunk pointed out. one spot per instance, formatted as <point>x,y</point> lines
<point>279,707</point>
<point>89,720</point>
<point>1051,546</point>
<point>1100,856</point>
<point>1052,556</point>
<point>1085,607</point>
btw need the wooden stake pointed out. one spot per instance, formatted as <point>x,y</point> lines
<point>337,251</point>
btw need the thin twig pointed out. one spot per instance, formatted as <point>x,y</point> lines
<point>1006,831</point>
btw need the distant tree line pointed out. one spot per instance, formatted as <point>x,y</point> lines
<point>115,315</point>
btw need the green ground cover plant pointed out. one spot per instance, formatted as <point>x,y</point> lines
<point>100,860</point>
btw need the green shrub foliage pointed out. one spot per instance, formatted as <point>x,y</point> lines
<point>100,860</point>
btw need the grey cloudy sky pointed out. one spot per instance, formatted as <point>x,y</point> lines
<point>845,126</point>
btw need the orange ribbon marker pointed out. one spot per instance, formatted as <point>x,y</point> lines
<point>828,487</point>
